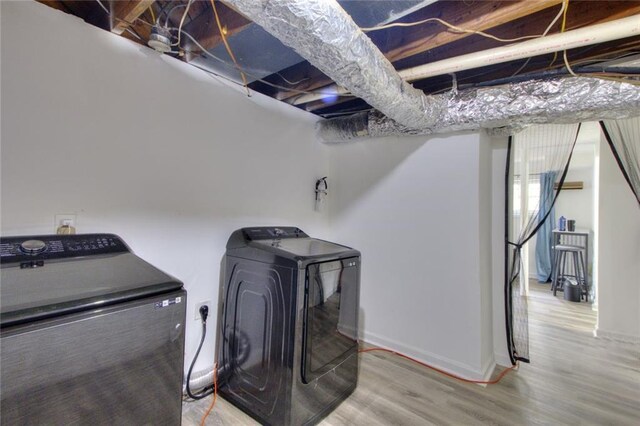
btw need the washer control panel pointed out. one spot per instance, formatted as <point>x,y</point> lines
<point>272,232</point>
<point>34,250</point>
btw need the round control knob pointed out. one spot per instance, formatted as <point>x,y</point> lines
<point>33,247</point>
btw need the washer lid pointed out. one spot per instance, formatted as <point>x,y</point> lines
<point>304,247</point>
<point>63,286</point>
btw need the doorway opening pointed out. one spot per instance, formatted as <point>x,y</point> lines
<point>544,281</point>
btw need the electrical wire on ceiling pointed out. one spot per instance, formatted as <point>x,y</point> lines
<point>563,7</point>
<point>226,45</point>
<point>103,7</point>
<point>565,4</point>
<point>293,83</point>
<point>163,10</point>
<point>120,19</point>
<point>174,8</point>
<point>184,15</point>
<point>268,83</point>
<point>564,52</point>
<point>129,30</point>
<point>461,30</point>
<point>204,51</point>
<point>244,71</point>
<point>153,15</point>
<point>342,113</point>
<point>603,75</point>
<point>595,60</point>
<point>589,71</point>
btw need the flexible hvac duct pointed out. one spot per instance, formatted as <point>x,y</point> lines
<point>324,34</point>
<point>600,33</point>
<point>514,106</point>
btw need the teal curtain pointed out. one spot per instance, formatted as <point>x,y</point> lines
<point>544,256</point>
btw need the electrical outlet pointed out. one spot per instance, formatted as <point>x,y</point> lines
<point>198,305</point>
<point>67,220</point>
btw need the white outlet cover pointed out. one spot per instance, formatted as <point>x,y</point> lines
<point>64,219</point>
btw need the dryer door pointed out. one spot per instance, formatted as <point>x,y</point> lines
<point>331,315</point>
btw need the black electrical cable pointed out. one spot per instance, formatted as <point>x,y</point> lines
<point>589,69</point>
<point>208,390</point>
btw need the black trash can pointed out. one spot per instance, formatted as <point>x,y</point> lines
<point>572,290</point>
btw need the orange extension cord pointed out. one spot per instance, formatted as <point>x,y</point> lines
<point>215,394</point>
<point>453,376</point>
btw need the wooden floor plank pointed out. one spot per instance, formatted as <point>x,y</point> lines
<point>574,378</point>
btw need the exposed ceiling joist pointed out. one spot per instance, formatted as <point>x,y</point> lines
<point>482,17</point>
<point>204,28</point>
<point>124,13</point>
<point>398,43</point>
<point>56,4</point>
<point>580,15</point>
<point>285,76</point>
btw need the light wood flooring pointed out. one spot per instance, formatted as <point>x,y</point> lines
<point>573,379</point>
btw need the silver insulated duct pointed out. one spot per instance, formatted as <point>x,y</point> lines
<point>324,34</point>
<point>511,107</point>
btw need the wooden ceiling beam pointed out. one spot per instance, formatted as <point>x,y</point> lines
<point>482,16</point>
<point>399,43</point>
<point>90,12</point>
<point>56,4</point>
<point>204,28</point>
<point>580,14</point>
<point>125,12</point>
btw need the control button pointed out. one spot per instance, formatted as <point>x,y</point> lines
<point>33,247</point>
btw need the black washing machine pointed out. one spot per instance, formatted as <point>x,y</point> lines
<point>89,334</point>
<point>287,345</point>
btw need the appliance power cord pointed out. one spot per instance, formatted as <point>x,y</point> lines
<point>208,390</point>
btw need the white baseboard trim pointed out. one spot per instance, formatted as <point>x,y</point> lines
<point>448,365</point>
<point>617,337</point>
<point>502,359</point>
<point>488,368</point>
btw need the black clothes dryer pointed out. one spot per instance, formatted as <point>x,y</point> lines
<point>287,346</point>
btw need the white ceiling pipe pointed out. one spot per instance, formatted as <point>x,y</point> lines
<point>594,34</point>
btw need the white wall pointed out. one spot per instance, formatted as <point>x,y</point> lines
<point>618,248</point>
<point>419,210</point>
<point>498,163</point>
<point>146,147</point>
<point>578,204</point>
<point>485,248</point>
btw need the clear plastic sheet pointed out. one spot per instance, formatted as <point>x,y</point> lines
<point>324,34</point>
<point>505,109</point>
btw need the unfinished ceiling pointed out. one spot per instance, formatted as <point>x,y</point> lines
<point>462,27</point>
